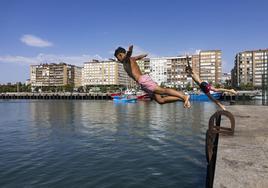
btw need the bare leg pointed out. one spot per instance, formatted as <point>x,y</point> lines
<point>215,101</point>
<point>174,93</point>
<point>164,100</point>
<point>168,91</point>
<point>169,99</point>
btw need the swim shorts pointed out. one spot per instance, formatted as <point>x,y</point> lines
<point>147,84</point>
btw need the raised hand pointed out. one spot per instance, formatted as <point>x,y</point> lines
<point>188,70</point>
<point>130,48</point>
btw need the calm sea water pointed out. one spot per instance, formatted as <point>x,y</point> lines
<point>102,144</point>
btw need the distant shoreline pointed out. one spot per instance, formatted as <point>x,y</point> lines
<point>56,96</point>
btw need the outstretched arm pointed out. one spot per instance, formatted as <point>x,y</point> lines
<point>191,73</point>
<point>216,101</point>
<point>129,52</point>
<point>224,90</point>
<point>139,57</point>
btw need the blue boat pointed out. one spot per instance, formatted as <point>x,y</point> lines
<point>125,99</point>
<point>204,97</point>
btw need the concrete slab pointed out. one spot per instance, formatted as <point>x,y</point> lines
<point>242,159</point>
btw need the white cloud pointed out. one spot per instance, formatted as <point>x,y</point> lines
<point>50,58</point>
<point>35,41</point>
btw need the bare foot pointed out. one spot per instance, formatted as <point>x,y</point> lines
<point>187,103</point>
<point>233,91</point>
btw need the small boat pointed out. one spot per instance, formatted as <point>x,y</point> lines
<point>141,95</point>
<point>125,98</point>
<point>204,97</point>
<point>130,92</point>
<point>116,94</point>
<point>144,97</point>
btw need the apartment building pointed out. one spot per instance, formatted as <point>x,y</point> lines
<point>144,65</point>
<point>158,69</point>
<point>176,75</point>
<point>104,73</point>
<point>210,69</point>
<point>77,76</point>
<point>55,75</point>
<point>250,68</point>
<point>169,71</point>
<point>195,61</point>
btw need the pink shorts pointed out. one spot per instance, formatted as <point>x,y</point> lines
<point>147,84</point>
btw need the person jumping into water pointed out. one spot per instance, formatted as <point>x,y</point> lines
<point>145,81</point>
<point>206,87</point>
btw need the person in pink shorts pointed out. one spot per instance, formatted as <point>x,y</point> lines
<point>147,84</point>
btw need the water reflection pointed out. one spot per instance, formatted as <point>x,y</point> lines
<point>98,118</point>
<point>101,143</point>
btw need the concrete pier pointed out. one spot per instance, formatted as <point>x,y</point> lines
<point>241,95</point>
<point>242,159</point>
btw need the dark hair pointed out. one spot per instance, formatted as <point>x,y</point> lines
<point>119,50</point>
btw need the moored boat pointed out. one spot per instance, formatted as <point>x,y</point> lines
<point>204,97</point>
<point>125,98</point>
<point>141,95</point>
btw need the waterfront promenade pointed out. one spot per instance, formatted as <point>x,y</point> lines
<point>59,96</point>
<point>242,95</point>
<point>242,159</point>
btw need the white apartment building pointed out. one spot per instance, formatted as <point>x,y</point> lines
<point>158,70</point>
<point>104,73</point>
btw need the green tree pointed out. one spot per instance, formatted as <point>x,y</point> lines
<point>248,86</point>
<point>217,85</point>
<point>68,88</point>
<point>188,87</point>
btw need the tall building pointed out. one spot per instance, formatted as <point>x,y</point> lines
<point>195,63</point>
<point>144,65</point>
<point>250,68</point>
<point>77,76</point>
<point>104,73</point>
<point>168,71</point>
<point>234,77</point>
<point>210,66</point>
<point>176,75</point>
<point>55,75</point>
<point>158,69</point>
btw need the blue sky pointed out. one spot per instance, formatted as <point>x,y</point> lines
<point>34,31</point>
